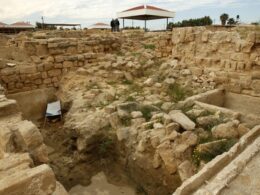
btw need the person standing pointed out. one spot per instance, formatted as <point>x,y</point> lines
<point>117,24</point>
<point>112,24</point>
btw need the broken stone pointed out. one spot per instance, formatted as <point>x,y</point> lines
<point>182,119</point>
<point>136,114</point>
<point>185,170</point>
<point>226,130</point>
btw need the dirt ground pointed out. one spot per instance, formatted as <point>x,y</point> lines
<point>83,176</point>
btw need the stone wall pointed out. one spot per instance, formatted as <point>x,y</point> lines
<point>48,58</point>
<point>38,60</point>
<point>230,56</point>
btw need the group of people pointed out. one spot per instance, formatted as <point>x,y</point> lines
<point>115,25</point>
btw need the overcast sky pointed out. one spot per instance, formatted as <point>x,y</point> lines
<point>88,12</point>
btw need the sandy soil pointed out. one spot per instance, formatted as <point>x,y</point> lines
<point>100,186</point>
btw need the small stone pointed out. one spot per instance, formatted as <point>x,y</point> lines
<point>185,170</point>
<point>136,114</point>
<point>157,125</point>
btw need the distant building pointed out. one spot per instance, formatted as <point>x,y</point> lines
<point>15,27</point>
<point>2,24</point>
<point>101,26</point>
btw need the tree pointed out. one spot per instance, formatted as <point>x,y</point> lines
<point>231,21</point>
<point>224,17</point>
<point>205,21</point>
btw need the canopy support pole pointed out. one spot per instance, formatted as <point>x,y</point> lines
<point>123,23</point>
<point>145,25</point>
<point>167,24</point>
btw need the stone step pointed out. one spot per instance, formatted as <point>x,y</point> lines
<point>14,160</point>
<point>38,180</point>
<point>8,107</point>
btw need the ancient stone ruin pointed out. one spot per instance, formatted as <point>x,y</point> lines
<point>157,113</point>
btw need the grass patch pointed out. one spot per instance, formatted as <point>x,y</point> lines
<point>149,46</point>
<point>136,54</point>
<point>130,99</point>
<point>178,93</point>
<point>146,111</point>
<point>127,82</point>
<point>198,156</point>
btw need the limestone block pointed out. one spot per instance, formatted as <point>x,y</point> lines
<point>239,56</point>
<point>226,130</point>
<point>8,107</point>
<point>14,160</point>
<point>256,74</point>
<point>47,81</point>
<point>246,47</point>
<point>157,161</point>
<point>251,37</point>
<point>67,64</point>
<point>8,71</point>
<point>189,138</point>
<point>122,133</point>
<point>205,36</point>
<point>40,67</point>
<point>36,59</point>
<point>54,72</point>
<point>40,154</point>
<point>38,180</point>
<point>27,69</point>
<point>60,190</point>
<point>38,81</point>
<point>185,170</point>
<point>166,153</point>
<point>6,140</point>
<point>212,148</point>
<point>48,66</point>
<point>28,136</point>
<point>41,49</point>
<point>182,119</point>
<point>59,59</point>
<point>136,114</point>
<point>256,86</point>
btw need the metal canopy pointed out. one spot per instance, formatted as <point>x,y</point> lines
<point>145,12</point>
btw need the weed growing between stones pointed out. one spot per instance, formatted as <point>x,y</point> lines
<point>206,156</point>
<point>178,93</point>
<point>149,46</point>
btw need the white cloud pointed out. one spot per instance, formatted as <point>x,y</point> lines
<point>86,9</point>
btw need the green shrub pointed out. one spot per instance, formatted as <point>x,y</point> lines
<point>149,46</point>
<point>146,111</point>
<point>177,93</point>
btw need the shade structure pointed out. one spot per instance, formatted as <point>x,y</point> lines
<point>145,12</point>
<point>22,25</point>
<point>100,26</point>
<point>15,27</point>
